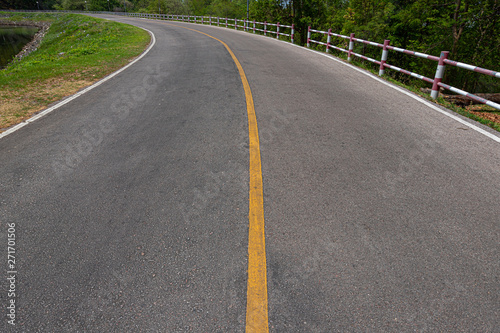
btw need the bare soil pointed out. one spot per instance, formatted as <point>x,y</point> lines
<point>17,107</point>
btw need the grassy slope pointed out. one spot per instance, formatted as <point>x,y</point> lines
<point>76,51</point>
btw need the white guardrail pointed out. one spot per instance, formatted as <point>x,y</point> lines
<point>271,28</point>
<point>237,24</point>
<point>436,82</point>
<point>277,29</point>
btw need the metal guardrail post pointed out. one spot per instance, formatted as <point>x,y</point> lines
<point>253,26</point>
<point>278,31</point>
<point>309,36</point>
<point>265,28</point>
<point>226,22</point>
<point>383,60</point>
<point>328,40</point>
<point>293,32</point>
<point>235,24</point>
<point>439,74</point>
<point>351,47</point>
<point>218,20</point>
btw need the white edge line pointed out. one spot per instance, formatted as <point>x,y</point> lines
<point>407,93</point>
<point>78,94</point>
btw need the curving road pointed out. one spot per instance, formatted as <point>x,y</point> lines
<point>131,202</point>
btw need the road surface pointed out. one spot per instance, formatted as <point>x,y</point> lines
<point>130,203</point>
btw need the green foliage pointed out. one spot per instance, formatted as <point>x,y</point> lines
<point>270,11</point>
<point>175,7</point>
<point>470,30</point>
<point>228,8</point>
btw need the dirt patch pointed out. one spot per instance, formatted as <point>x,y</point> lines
<point>478,111</point>
<point>481,110</point>
<point>16,107</point>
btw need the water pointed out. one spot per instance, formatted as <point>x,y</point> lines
<point>12,41</point>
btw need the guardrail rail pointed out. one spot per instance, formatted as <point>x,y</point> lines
<point>436,82</point>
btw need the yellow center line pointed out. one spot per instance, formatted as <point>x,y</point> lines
<point>256,316</point>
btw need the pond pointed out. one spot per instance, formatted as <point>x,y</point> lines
<point>12,41</point>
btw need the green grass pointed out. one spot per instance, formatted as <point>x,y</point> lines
<point>76,51</point>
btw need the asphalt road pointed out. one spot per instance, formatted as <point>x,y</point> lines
<point>130,203</point>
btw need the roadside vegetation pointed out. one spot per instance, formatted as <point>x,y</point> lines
<point>76,51</point>
<point>470,30</point>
